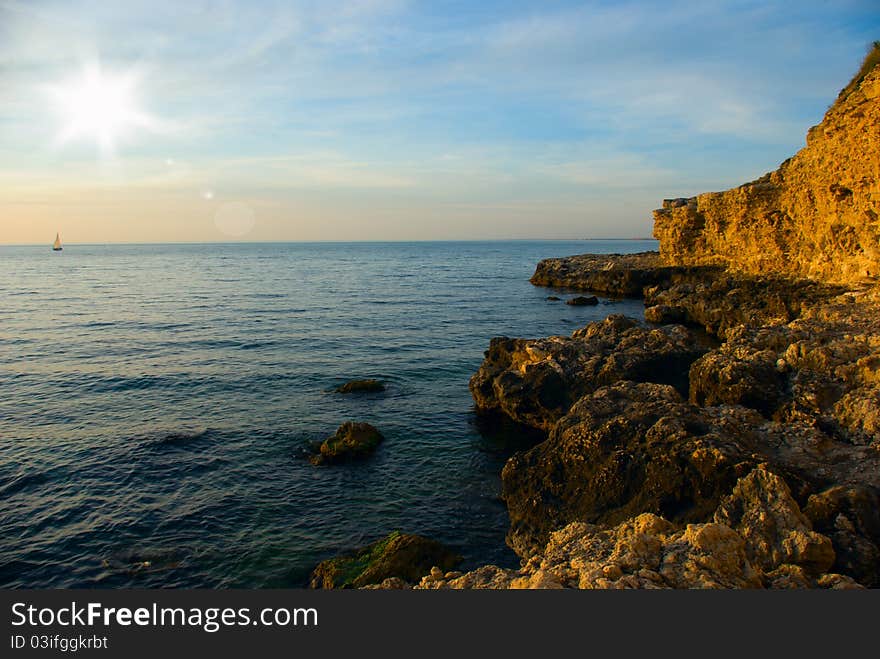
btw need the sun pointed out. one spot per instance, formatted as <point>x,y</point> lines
<point>99,106</point>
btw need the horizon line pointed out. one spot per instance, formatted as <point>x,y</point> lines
<point>283,242</point>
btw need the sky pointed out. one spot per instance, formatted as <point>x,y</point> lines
<point>153,121</point>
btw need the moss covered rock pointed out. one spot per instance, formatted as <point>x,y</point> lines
<point>398,555</point>
<point>352,441</point>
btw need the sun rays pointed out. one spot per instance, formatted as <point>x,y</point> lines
<point>99,106</point>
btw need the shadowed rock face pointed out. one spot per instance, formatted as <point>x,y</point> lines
<point>623,450</point>
<point>534,382</point>
<point>822,369</point>
<point>719,300</point>
<point>619,275</point>
<point>850,516</point>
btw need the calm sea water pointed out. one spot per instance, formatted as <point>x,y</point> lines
<point>155,401</point>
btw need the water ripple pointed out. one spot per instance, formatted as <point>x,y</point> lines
<point>157,400</point>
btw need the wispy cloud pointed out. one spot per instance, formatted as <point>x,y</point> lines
<point>583,104</point>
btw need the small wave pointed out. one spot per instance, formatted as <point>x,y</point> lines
<point>13,341</point>
<point>209,344</point>
<point>174,437</point>
<point>256,344</point>
<point>134,383</point>
<point>20,482</point>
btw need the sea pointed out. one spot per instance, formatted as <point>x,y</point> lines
<point>157,403</point>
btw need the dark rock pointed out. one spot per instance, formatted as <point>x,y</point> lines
<point>621,451</point>
<point>615,274</point>
<point>583,301</point>
<point>553,298</point>
<point>723,377</point>
<point>720,300</point>
<point>821,370</point>
<point>352,441</point>
<point>534,382</point>
<point>397,556</point>
<point>663,313</point>
<point>850,516</point>
<point>361,386</point>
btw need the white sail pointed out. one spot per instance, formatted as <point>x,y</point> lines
<point>57,244</point>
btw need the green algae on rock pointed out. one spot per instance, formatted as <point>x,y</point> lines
<point>400,556</point>
<point>352,441</point>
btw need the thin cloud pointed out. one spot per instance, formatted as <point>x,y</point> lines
<point>595,105</point>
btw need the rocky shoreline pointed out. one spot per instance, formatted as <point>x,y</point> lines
<point>669,461</point>
<point>751,460</point>
<point>780,423</point>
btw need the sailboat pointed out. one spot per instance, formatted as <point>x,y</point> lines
<point>56,247</point>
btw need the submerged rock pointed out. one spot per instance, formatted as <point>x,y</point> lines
<point>136,561</point>
<point>553,298</point>
<point>352,441</point>
<point>535,382</point>
<point>361,386</point>
<point>583,301</point>
<point>396,559</point>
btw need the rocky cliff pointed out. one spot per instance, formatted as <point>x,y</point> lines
<point>747,458</point>
<point>817,215</point>
<point>760,467</point>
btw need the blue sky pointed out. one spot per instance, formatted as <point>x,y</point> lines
<point>385,119</point>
